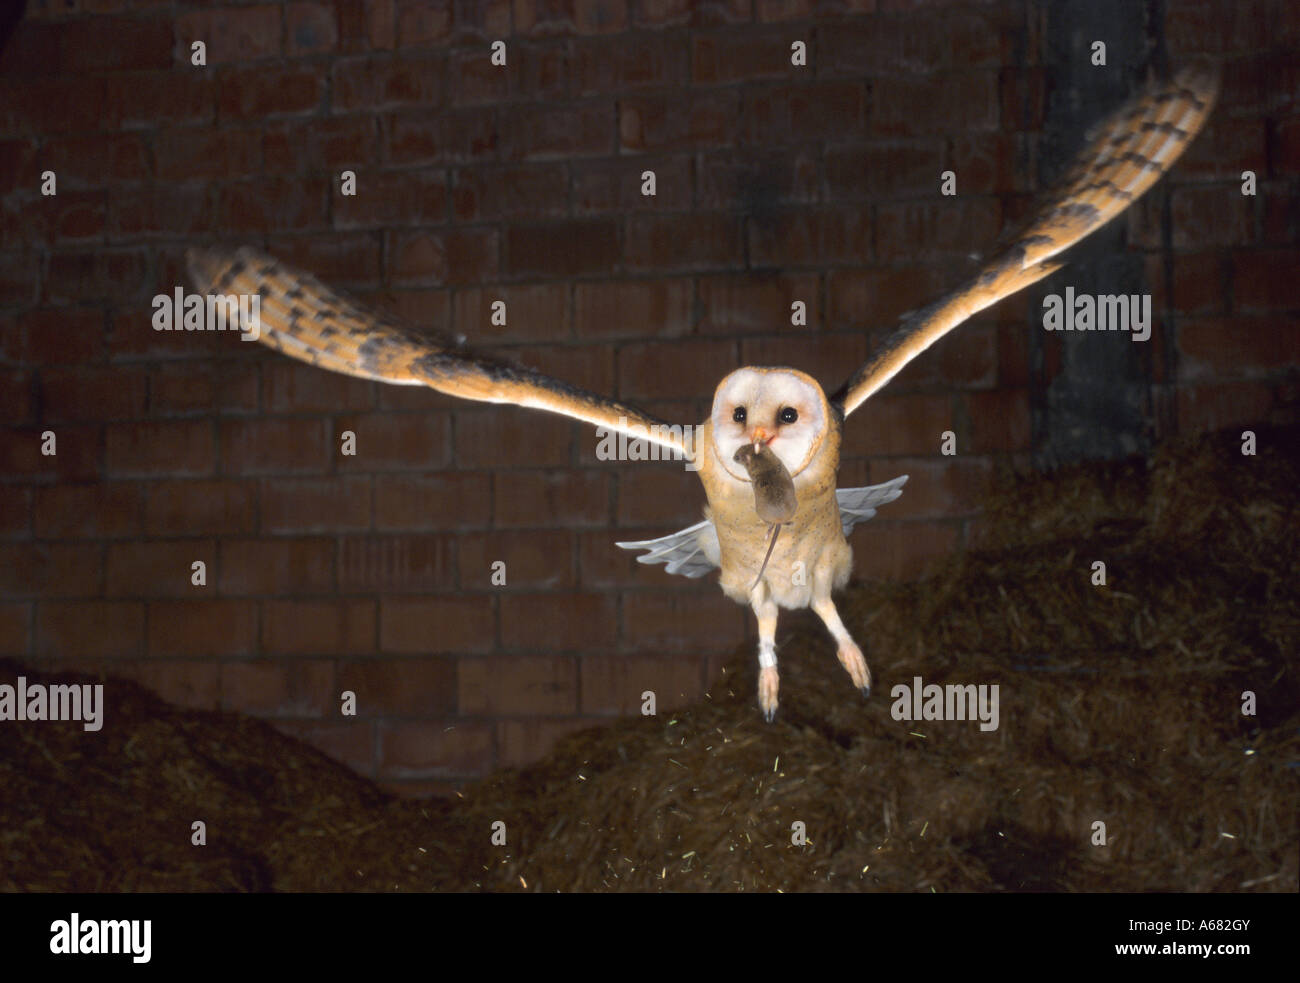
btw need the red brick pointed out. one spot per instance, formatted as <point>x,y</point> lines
<point>666,368</point>
<point>79,457</point>
<point>615,684</point>
<point>160,211</point>
<point>905,424</point>
<point>901,550</point>
<point>805,112</point>
<point>366,24</point>
<point>279,688</point>
<point>335,504</point>
<point>120,275</point>
<point>50,570</point>
<point>1212,347</point>
<point>938,487</point>
<point>89,629</point>
<point>455,256</point>
<point>890,170</point>
<point>332,627</point>
<point>1224,149</point>
<point>590,367</point>
<point>940,104</point>
<point>161,448</point>
<point>159,569</point>
<point>663,13</point>
<point>239,34</point>
<point>967,358</point>
<point>537,312</point>
<point>695,242</point>
<point>657,494</point>
<point>538,559</point>
<point>396,563</point>
<point>999,421</point>
<point>275,567</point>
<point>16,511</point>
<point>475,80</point>
<point>92,393</point>
<point>401,687</point>
<point>872,298</point>
<point>15,631</point>
<point>32,49</point>
<point>531,685</point>
<point>275,446</point>
<point>565,131</point>
<point>951,229</point>
<point>558,622</point>
<point>152,99</point>
<point>555,17</point>
<point>350,741</point>
<point>1207,408</point>
<point>455,135</point>
<point>614,184</point>
<point>41,106</point>
<point>394,442</point>
<point>429,502</point>
<point>663,308</point>
<point>812,238</point>
<point>432,748</point>
<point>20,279</point>
<point>61,334</point>
<point>310,29</point>
<point>209,627</point>
<point>528,499</point>
<point>273,204</point>
<point>195,508</point>
<point>521,742</point>
<point>680,121</point>
<point>637,61</point>
<point>506,437</point>
<point>430,625</point>
<point>295,387</point>
<point>529,190</point>
<point>602,565</point>
<point>483,21</point>
<point>882,46</point>
<point>1266,280</point>
<point>827,358</point>
<point>214,387</point>
<point>1023,98</point>
<point>543,71</point>
<point>19,160</point>
<point>421,22</point>
<point>261,91</point>
<point>188,154</point>
<point>344,261</point>
<point>375,83</point>
<point>70,217</point>
<point>136,44</point>
<point>393,198</point>
<point>16,395</point>
<point>181,683</point>
<point>331,144</point>
<point>693,621</point>
<point>1210,215</point>
<point>1200,282</point>
<point>730,56</point>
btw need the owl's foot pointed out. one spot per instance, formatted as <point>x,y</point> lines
<point>851,659</point>
<point>768,682</point>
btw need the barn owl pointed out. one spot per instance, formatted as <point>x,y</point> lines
<point>788,421</point>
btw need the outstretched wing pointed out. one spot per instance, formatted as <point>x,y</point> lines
<point>859,504</point>
<point>692,551</point>
<point>1127,155</point>
<point>302,317</point>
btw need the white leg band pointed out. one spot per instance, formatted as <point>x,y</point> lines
<point>766,655</point>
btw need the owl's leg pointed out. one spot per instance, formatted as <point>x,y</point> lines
<point>768,681</point>
<point>849,654</point>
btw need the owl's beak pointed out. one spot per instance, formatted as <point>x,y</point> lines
<point>761,436</point>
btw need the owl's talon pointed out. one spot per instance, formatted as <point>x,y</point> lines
<point>851,659</point>
<point>866,692</point>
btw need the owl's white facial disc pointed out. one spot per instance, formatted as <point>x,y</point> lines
<point>783,408</point>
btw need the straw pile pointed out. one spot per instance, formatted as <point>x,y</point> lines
<point>1119,704</point>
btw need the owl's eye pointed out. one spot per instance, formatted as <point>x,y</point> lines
<point>739,414</point>
<point>789,415</point>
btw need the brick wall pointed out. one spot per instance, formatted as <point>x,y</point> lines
<point>775,183</point>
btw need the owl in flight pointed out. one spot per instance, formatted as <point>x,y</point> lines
<point>770,427</point>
